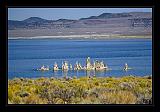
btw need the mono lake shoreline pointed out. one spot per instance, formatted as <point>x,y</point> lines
<point>74,77</point>
<point>94,37</point>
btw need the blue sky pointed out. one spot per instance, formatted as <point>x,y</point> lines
<point>66,13</point>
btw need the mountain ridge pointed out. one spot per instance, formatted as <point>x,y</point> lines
<point>103,25</point>
<point>37,22</point>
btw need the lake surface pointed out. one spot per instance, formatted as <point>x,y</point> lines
<point>26,55</point>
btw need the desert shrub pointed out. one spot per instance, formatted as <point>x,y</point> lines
<point>16,100</point>
<point>126,86</point>
<point>84,90</point>
<point>10,94</point>
<point>120,97</point>
<point>33,99</point>
<point>89,100</point>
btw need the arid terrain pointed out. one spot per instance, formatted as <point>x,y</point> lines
<point>106,25</point>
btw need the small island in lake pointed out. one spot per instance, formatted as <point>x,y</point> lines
<point>97,65</point>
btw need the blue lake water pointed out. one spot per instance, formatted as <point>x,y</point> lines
<point>26,55</point>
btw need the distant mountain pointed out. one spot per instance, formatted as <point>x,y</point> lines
<point>35,19</point>
<point>65,20</point>
<point>109,15</point>
<point>12,24</point>
<point>119,15</point>
<point>103,20</point>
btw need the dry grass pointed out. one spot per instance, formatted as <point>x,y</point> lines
<point>124,90</point>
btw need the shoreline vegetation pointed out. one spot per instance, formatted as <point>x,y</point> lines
<point>95,36</point>
<point>84,90</point>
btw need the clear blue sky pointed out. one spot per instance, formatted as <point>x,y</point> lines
<point>66,13</point>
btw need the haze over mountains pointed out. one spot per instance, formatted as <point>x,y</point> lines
<point>106,23</point>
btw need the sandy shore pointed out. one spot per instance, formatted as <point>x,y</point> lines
<point>94,36</point>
